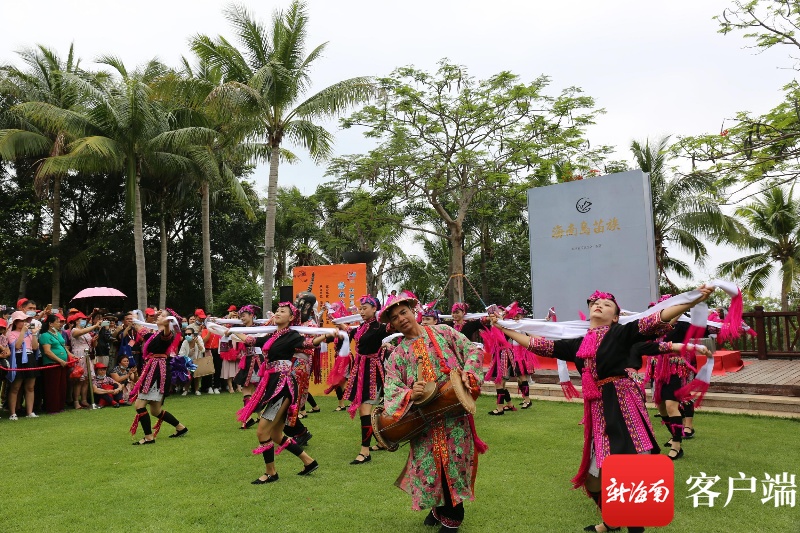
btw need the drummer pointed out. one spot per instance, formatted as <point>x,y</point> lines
<point>431,353</point>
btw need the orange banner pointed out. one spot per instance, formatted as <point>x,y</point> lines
<point>330,284</point>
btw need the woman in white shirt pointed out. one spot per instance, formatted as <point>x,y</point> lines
<point>81,335</point>
<point>193,348</point>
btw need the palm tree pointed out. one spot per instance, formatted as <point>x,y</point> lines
<point>57,82</point>
<point>773,235</point>
<point>684,208</point>
<point>187,96</point>
<point>124,131</point>
<point>268,81</point>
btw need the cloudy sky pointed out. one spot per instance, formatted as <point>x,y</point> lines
<point>656,67</point>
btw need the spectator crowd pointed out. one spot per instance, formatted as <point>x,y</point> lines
<point>52,360</point>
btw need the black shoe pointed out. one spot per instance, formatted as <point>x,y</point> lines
<point>525,405</point>
<point>143,441</point>
<point>677,455</point>
<point>367,458</point>
<point>270,479</point>
<point>309,468</point>
<point>303,438</point>
<point>688,433</point>
<point>497,413</point>
<point>179,433</point>
<point>315,409</point>
<point>668,444</point>
<point>431,519</point>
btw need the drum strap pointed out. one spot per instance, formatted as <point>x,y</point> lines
<point>423,358</point>
<point>438,350</point>
<point>480,446</point>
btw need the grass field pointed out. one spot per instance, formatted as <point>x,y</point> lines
<point>77,471</point>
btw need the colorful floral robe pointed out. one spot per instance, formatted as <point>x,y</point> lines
<point>447,447</point>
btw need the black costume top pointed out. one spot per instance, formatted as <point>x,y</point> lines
<point>371,339</point>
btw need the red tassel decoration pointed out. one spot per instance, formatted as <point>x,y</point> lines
<point>480,446</point>
<point>732,325</point>
<point>262,448</point>
<point>693,335</point>
<point>135,425</point>
<point>289,441</point>
<point>158,424</point>
<point>569,390</point>
<point>696,390</point>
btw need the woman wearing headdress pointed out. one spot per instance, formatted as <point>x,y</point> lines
<point>307,362</point>
<point>615,417</point>
<point>337,377</point>
<point>275,399</point>
<point>671,369</point>
<point>458,311</point>
<point>506,364</point>
<point>250,359</point>
<point>154,382</point>
<point>430,317</point>
<point>365,386</point>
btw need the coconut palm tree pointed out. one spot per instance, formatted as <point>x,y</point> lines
<point>684,209</point>
<point>61,83</point>
<point>773,237</point>
<point>124,131</point>
<point>186,94</point>
<point>268,80</point>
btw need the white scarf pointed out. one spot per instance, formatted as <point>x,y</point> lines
<point>574,329</point>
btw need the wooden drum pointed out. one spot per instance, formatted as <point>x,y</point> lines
<point>451,398</point>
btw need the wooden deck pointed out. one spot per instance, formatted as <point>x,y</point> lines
<point>771,377</point>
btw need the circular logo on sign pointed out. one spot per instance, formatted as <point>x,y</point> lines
<point>583,205</point>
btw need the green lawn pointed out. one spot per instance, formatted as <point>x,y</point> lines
<point>78,472</point>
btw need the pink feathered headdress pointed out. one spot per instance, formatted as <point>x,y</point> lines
<point>597,295</point>
<point>514,311</point>
<point>459,306</point>
<point>294,310</point>
<point>338,310</point>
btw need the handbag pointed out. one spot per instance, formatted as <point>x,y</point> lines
<point>205,366</point>
<point>77,372</point>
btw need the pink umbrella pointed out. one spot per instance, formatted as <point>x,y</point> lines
<point>98,291</point>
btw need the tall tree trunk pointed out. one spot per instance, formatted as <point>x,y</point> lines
<point>485,255</point>
<point>457,262</point>
<point>786,285</point>
<point>138,244</point>
<point>208,297</point>
<point>269,231</point>
<point>55,297</point>
<point>162,295</point>
<point>26,257</point>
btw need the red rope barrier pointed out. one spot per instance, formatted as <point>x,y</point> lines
<point>71,362</point>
